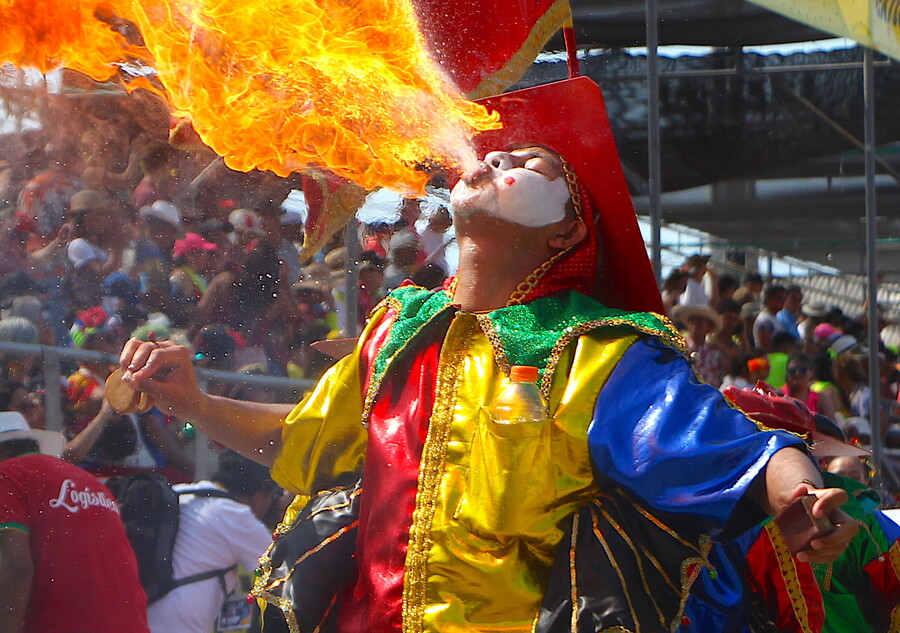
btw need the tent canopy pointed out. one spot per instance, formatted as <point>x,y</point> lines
<point>621,23</point>
<point>752,151</point>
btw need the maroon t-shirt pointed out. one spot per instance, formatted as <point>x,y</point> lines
<point>85,574</point>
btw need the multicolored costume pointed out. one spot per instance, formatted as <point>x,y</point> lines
<point>418,512</point>
<point>757,581</point>
<point>861,588</point>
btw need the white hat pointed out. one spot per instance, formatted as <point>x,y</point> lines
<point>13,426</point>
<point>81,252</point>
<point>685,312</point>
<point>246,220</point>
<point>163,210</point>
<point>843,344</point>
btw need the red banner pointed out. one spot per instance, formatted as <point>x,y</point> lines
<point>486,45</point>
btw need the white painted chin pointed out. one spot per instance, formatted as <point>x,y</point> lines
<point>520,196</point>
<point>465,201</point>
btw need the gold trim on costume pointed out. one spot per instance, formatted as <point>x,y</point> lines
<point>662,526</point>
<point>637,557</point>
<point>690,569</point>
<point>674,339</point>
<point>893,555</point>
<point>573,575</point>
<point>432,467</point>
<point>497,82</point>
<point>612,559</point>
<point>487,326</point>
<point>325,615</point>
<point>534,278</point>
<point>829,570</point>
<point>265,563</point>
<point>788,568</point>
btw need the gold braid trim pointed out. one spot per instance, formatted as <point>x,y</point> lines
<point>434,455</point>
<point>573,576</point>
<point>261,591</point>
<point>598,534</point>
<point>788,568</point>
<point>557,15</point>
<point>637,559</point>
<point>895,620</point>
<point>375,385</point>
<point>659,524</point>
<point>690,569</point>
<point>672,338</point>
<point>487,326</point>
<point>894,556</point>
<point>534,278</point>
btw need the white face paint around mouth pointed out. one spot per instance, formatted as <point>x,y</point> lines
<point>518,195</point>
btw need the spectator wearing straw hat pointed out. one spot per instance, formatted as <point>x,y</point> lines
<point>701,321</point>
<point>65,562</point>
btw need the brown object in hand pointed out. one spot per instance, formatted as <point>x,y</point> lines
<point>798,526</point>
<point>123,398</point>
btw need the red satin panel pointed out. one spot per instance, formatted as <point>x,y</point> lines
<point>397,428</point>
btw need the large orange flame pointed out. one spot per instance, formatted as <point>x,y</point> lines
<point>281,85</point>
<point>48,34</point>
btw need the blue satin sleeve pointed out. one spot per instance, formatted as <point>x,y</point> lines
<point>675,442</point>
<point>890,528</point>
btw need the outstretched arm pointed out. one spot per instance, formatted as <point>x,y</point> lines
<point>790,474</point>
<point>164,370</point>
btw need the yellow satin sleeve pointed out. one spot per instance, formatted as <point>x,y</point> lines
<point>323,437</point>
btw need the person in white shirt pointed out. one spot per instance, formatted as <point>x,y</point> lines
<point>697,268</point>
<point>215,533</point>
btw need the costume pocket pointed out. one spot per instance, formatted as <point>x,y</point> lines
<point>510,477</point>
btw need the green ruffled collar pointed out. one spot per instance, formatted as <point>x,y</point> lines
<point>535,333</point>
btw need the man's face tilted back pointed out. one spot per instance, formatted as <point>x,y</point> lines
<point>523,186</point>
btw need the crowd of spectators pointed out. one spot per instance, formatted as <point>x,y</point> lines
<point>818,354</point>
<point>110,232</point>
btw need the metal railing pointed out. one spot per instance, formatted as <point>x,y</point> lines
<point>52,359</point>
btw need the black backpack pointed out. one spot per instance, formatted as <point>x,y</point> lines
<point>150,511</point>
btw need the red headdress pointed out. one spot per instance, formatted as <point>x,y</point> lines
<point>569,117</point>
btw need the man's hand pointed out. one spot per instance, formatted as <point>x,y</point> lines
<point>165,371</point>
<point>825,549</point>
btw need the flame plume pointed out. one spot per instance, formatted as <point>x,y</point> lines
<point>281,85</point>
<point>49,34</point>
